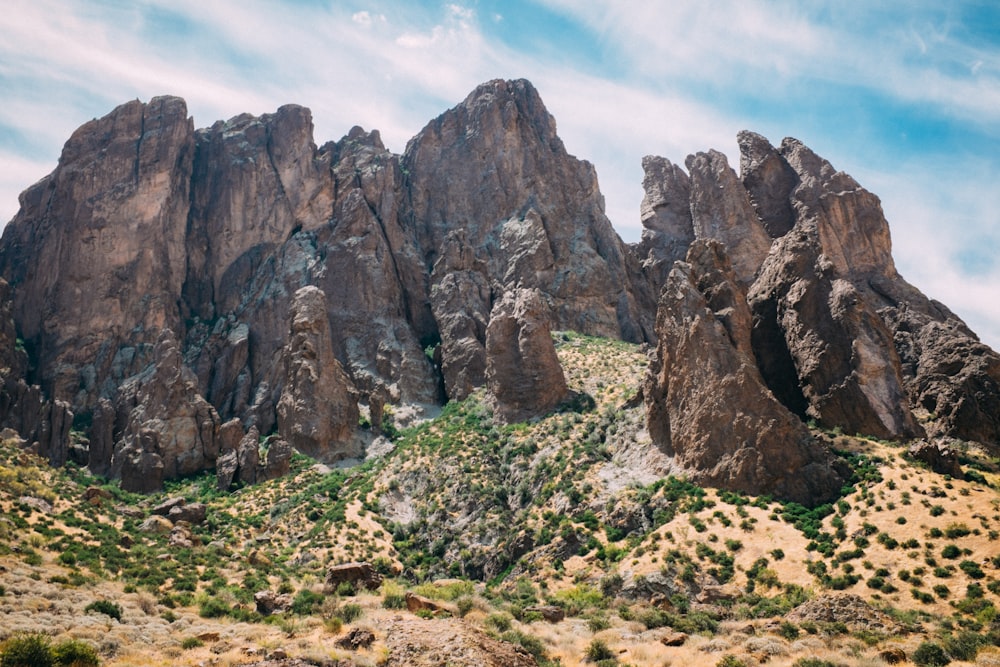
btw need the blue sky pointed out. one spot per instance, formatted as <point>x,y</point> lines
<point>905,96</point>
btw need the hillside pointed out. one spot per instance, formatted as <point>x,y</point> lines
<point>572,511</point>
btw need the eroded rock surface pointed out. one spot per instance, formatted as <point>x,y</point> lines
<point>318,411</point>
<point>523,375</point>
<point>707,403</point>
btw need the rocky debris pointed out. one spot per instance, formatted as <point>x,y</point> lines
<point>169,430</point>
<point>938,455</point>
<point>843,608</point>
<point>707,404</point>
<point>357,639</point>
<point>550,613</point>
<point>448,641</point>
<point>844,368</point>
<point>415,603</point>
<point>268,602</point>
<point>181,536</point>
<point>318,411</point>
<point>242,464</point>
<point>523,375</point>
<point>163,508</point>
<point>193,513</point>
<point>674,639</point>
<point>362,574</point>
<point>158,525</point>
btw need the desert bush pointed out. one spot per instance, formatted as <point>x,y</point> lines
<point>75,653</point>
<point>106,607</point>
<point>191,642</point>
<point>964,645</point>
<point>598,650</point>
<point>929,654</point>
<point>30,650</point>
<point>306,602</point>
<point>349,612</point>
<point>498,622</point>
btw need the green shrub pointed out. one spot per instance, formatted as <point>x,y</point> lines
<point>212,607</point>
<point>597,650</point>
<point>930,654</point>
<point>349,612</point>
<point>191,642</point>
<point>813,662</point>
<point>106,607</point>
<point>499,622</point>
<point>529,643</point>
<point>75,653</point>
<point>31,650</point>
<point>731,661</point>
<point>788,630</point>
<point>964,646</point>
<point>306,602</point>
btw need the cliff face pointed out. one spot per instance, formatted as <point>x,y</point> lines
<point>152,237</point>
<point>837,335</point>
<point>156,299</point>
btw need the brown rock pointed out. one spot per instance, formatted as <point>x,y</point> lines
<point>268,602</point>
<point>163,509</point>
<point>769,181</point>
<point>415,603</point>
<point>109,223</point>
<point>665,212</point>
<point>721,210</point>
<point>893,656</point>
<point>192,513</point>
<point>169,429</point>
<point>95,495</point>
<point>550,613</point>
<point>357,639</point>
<point>523,374</point>
<point>356,573</point>
<point>674,639</point>
<point>846,371</point>
<point>157,524</point>
<point>707,403</point>
<point>938,455</point>
<point>494,167</point>
<point>318,411</point>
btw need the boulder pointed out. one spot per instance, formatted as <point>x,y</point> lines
<point>550,613</point>
<point>844,608</point>
<point>523,375</point>
<point>357,639</point>
<point>415,603</point>
<point>359,574</point>
<point>193,513</point>
<point>268,602</point>
<point>164,508</point>
<point>938,456</point>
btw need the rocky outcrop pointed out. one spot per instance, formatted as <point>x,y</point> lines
<point>838,335</point>
<point>167,429</point>
<point>318,411</point>
<point>523,375</point>
<point>101,242</point>
<point>843,359</point>
<point>531,213</point>
<point>938,456</point>
<point>707,404</point>
<point>358,574</point>
<point>721,210</point>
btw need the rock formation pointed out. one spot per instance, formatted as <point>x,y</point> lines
<point>708,405</point>
<point>318,411</point>
<point>838,335</point>
<point>168,259</point>
<point>523,375</point>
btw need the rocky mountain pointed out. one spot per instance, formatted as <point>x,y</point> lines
<point>176,293</point>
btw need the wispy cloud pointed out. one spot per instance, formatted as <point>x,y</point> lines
<point>668,78</point>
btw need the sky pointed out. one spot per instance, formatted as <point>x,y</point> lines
<point>904,95</point>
